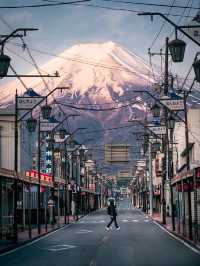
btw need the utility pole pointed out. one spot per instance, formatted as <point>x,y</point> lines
<point>15,235</point>
<point>150,180</point>
<point>39,180</point>
<point>166,174</point>
<point>188,168</point>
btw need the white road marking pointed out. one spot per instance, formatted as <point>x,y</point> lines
<point>125,221</point>
<point>60,247</point>
<point>34,241</point>
<point>135,221</point>
<point>93,263</point>
<point>178,239</point>
<point>84,231</point>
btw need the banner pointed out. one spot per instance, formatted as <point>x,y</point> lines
<point>117,153</point>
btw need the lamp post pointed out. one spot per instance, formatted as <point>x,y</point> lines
<point>31,124</point>
<point>171,125</point>
<point>177,49</point>
<point>62,134</point>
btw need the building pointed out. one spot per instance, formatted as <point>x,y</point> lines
<point>186,183</point>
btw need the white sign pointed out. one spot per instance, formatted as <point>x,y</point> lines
<point>174,105</point>
<point>158,130</point>
<point>27,103</point>
<point>46,126</point>
<point>194,32</point>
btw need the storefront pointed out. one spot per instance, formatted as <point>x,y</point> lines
<point>186,191</point>
<point>27,202</point>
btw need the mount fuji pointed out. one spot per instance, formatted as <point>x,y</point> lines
<point>101,78</point>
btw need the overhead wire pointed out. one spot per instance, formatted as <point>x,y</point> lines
<point>95,109</point>
<point>25,47</point>
<point>122,9</point>
<point>149,4</point>
<point>92,63</point>
<point>162,26</point>
<point>43,5</point>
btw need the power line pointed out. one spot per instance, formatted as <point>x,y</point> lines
<point>87,62</point>
<point>25,46</point>
<point>162,26</point>
<point>123,9</point>
<point>106,129</point>
<point>95,109</point>
<point>149,4</point>
<point>43,5</point>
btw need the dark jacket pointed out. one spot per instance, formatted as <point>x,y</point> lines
<point>112,210</point>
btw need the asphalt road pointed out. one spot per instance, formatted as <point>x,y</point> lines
<point>139,242</point>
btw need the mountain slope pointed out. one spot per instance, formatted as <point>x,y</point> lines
<point>95,73</point>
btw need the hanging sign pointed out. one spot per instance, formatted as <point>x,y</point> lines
<point>46,126</point>
<point>173,105</point>
<point>158,130</point>
<point>117,153</point>
<point>27,102</point>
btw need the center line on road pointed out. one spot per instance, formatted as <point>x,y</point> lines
<point>93,263</point>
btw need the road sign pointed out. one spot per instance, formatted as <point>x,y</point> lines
<point>46,126</point>
<point>158,130</point>
<point>27,103</point>
<point>173,105</point>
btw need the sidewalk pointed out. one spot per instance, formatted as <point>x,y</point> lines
<point>179,231</point>
<point>23,236</point>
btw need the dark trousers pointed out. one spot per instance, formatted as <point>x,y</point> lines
<point>113,219</point>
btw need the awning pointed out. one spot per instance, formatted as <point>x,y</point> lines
<point>184,153</point>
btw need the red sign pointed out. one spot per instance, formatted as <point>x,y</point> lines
<point>198,172</point>
<point>43,176</point>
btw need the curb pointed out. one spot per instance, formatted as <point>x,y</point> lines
<point>176,236</point>
<point>182,240</point>
<point>28,242</point>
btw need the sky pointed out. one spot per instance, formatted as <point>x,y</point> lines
<point>63,26</point>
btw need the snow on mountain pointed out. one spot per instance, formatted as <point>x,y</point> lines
<point>98,76</point>
<point>95,73</point>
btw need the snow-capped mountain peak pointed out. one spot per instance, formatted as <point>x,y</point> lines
<point>100,72</point>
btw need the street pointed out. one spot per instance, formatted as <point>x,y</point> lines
<point>139,242</point>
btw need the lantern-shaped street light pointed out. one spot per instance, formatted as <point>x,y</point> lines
<point>46,111</point>
<point>63,132</point>
<point>171,122</point>
<point>155,110</point>
<point>177,50</point>
<point>145,147</point>
<point>4,65</point>
<point>156,146</point>
<point>31,124</point>
<point>196,67</point>
<point>71,142</point>
<point>50,143</point>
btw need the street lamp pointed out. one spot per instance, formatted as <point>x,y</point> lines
<point>196,67</point>
<point>156,146</point>
<point>177,50</point>
<point>62,133</point>
<point>4,65</point>
<point>156,110</point>
<point>46,111</point>
<point>171,122</point>
<point>31,124</point>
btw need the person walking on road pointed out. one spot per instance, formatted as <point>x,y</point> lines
<point>113,215</point>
